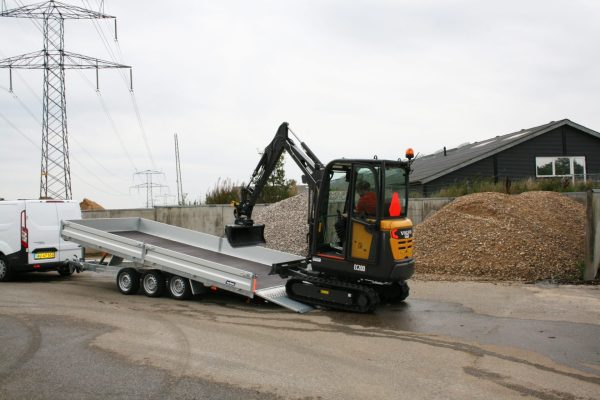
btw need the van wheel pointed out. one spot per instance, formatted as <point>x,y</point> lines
<point>4,270</point>
<point>128,281</point>
<point>179,288</point>
<point>153,283</point>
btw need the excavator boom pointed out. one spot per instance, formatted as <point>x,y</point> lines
<point>244,232</point>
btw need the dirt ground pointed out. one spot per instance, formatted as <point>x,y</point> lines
<point>79,338</point>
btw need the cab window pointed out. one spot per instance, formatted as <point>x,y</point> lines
<point>365,193</point>
<point>395,192</point>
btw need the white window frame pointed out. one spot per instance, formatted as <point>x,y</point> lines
<point>571,167</point>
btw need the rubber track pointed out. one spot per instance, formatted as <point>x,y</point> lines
<point>371,294</point>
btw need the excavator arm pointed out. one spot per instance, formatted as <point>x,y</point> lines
<point>244,232</point>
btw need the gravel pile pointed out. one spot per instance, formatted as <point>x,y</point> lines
<point>531,236</point>
<point>286,226</point>
<point>528,237</point>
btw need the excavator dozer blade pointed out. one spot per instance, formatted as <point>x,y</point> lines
<point>239,235</point>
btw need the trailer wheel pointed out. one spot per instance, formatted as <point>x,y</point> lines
<point>153,283</point>
<point>179,287</point>
<point>128,281</point>
<point>4,269</point>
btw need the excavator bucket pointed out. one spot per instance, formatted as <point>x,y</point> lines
<point>239,235</point>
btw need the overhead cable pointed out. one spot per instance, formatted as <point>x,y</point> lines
<point>26,137</point>
<point>114,58</point>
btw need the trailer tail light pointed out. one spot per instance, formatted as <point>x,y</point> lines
<point>24,231</point>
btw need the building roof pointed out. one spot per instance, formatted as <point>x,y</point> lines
<point>430,167</point>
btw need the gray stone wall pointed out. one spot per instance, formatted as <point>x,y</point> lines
<point>212,219</point>
<point>209,219</point>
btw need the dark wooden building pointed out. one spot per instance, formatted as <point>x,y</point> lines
<point>557,149</point>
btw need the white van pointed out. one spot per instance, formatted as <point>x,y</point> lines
<point>30,236</point>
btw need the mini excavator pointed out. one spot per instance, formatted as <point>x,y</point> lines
<point>360,240</point>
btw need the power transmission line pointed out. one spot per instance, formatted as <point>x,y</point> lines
<point>120,59</point>
<point>100,99</point>
<point>165,198</point>
<point>55,180</point>
<point>26,137</point>
<point>81,146</point>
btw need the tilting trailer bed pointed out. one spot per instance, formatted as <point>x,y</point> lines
<point>204,260</point>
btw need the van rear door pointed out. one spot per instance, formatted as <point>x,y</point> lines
<point>66,211</point>
<point>44,232</point>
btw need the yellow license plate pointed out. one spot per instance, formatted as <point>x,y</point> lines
<point>45,255</point>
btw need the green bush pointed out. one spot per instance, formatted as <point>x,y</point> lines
<point>515,187</point>
<point>278,187</point>
<point>224,192</point>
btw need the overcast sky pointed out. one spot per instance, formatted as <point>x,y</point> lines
<point>353,79</point>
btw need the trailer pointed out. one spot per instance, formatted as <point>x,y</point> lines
<point>161,257</point>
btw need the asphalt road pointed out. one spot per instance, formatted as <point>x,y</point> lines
<point>79,338</point>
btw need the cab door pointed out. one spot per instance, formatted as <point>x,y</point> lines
<point>331,224</point>
<point>364,215</point>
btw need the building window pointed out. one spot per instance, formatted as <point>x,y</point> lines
<point>559,166</point>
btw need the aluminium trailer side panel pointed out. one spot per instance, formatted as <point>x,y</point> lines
<point>259,254</point>
<point>153,257</point>
<point>260,271</point>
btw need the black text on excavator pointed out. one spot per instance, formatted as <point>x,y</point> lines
<point>360,241</point>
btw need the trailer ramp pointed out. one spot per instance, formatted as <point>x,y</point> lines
<point>278,295</point>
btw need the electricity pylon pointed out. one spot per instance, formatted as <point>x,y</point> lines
<point>55,181</point>
<point>148,185</point>
<point>180,195</point>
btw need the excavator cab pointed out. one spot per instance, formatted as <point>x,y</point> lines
<point>359,201</point>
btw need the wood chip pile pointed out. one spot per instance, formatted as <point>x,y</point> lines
<point>531,236</point>
<point>286,226</point>
<point>87,205</point>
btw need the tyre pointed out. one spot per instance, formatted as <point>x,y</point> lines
<point>153,283</point>
<point>128,281</point>
<point>5,272</point>
<point>179,287</point>
<point>65,271</point>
